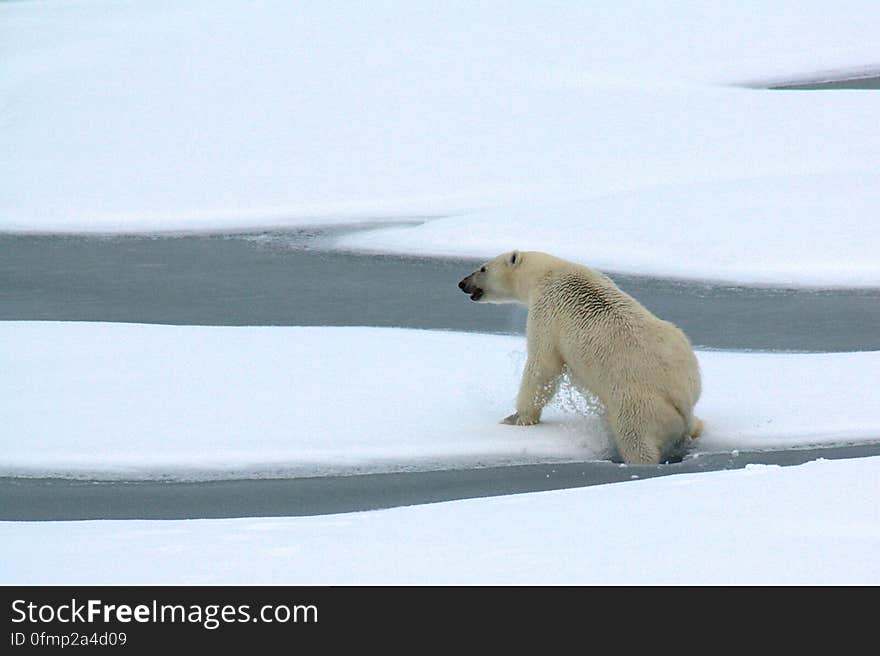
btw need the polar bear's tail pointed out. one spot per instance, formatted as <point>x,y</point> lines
<point>696,428</point>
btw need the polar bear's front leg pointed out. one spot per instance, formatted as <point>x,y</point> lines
<point>539,382</point>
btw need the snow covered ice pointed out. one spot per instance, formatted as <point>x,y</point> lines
<point>816,523</point>
<point>130,401</point>
<point>630,136</point>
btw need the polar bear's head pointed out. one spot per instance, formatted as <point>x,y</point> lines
<point>495,281</point>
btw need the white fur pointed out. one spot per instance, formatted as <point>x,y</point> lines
<point>643,369</point>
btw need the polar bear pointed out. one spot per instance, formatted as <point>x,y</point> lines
<point>641,368</point>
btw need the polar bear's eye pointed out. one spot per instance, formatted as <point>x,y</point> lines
<point>482,269</point>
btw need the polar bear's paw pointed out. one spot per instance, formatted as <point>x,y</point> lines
<point>516,420</point>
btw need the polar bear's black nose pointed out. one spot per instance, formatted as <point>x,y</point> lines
<point>461,285</point>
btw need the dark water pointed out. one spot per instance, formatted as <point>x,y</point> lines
<point>288,279</point>
<point>852,83</point>
<point>56,499</point>
<point>234,280</point>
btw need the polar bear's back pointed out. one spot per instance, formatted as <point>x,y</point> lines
<point>611,342</point>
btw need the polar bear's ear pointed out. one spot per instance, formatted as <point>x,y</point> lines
<point>515,258</point>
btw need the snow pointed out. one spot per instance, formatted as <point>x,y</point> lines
<point>815,523</point>
<point>592,120</point>
<point>810,230</point>
<point>131,401</point>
